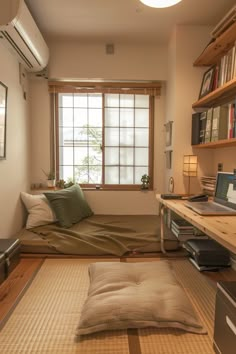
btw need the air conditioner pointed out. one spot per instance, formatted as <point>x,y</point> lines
<point>20,34</point>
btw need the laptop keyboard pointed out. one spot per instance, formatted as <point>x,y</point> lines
<point>212,206</point>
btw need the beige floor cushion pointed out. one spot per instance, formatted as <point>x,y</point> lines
<point>136,295</point>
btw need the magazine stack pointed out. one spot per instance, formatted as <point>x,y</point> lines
<point>184,231</point>
<point>208,184</point>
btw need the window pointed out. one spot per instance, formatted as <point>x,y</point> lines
<point>104,139</point>
<point>102,132</point>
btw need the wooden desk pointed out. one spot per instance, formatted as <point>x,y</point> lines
<point>220,228</point>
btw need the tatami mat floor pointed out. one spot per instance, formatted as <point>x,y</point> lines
<point>45,319</point>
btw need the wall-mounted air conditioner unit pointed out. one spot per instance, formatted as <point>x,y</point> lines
<point>20,34</point>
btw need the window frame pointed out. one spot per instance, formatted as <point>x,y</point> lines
<point>103,186</point>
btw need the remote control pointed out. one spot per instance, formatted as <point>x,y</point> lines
<point>171,196</point>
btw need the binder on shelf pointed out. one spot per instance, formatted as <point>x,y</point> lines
<point>203,116</point>
<point>198,128</point>
<point>207,137</point>
<point>219,123</point>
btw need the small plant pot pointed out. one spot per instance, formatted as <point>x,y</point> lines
<point>51,183</point>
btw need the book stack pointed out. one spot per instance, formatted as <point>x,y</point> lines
<point>208,184</point>
<point>182,229</point>
<point>225,70</point>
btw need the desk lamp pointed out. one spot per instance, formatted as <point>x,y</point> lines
<point>190,168</point>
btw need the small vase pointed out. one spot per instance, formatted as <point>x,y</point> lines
<point>51,183</point>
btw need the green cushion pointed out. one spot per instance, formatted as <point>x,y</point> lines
<point>69,205</point>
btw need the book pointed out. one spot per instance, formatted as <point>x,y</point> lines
<point>181,237</point>
<point>183,231</point>
<point>182,224</point>
<point>234,119</point>
<point>219,128</point>
<point>230,120</point>
<point>207,137</point>
<point>203,116</point>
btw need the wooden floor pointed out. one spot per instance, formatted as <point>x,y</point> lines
<point>13,288</point>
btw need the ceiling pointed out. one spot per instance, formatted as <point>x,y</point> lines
<point>116,21</point>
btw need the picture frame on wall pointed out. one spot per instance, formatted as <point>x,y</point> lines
<point>168,128</point>
<point>207,82</point>
<point>168,159</point>
<point>3,120</point>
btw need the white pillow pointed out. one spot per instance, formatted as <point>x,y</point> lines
<point>40,212</point>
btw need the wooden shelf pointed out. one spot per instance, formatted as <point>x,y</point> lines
<point>221,95</point>
<point>215,50</point>
<point>217,144</point>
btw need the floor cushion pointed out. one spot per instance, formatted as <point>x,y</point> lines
<point>136,295</point>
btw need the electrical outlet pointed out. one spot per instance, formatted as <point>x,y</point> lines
<point>220,166</point>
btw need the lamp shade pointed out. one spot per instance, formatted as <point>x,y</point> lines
<point>190,165</point>
<point>160,3</point>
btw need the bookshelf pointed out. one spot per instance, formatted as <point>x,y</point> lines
<point>224,94</point>
<point>215,50</point>
<point>217,144</point>
<point>219,96</point>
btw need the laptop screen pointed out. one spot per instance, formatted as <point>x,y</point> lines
<point>225,192</point>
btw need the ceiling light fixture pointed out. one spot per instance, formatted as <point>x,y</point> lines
<point>160,3</point>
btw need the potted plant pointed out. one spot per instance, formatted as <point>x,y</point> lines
<point>51,181</point>
<point>145,182</point>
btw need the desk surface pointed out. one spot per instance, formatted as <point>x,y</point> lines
<point>220,228</point>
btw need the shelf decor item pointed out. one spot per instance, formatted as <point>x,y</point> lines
<point>168,128</point>
<point>190,168</point>
<point>145,182</point>
<point>3,120</point>
<point>207,82</point>
<point>51,181</point>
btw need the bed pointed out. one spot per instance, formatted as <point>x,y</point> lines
<point>99,235</point>
<point>61,222</point>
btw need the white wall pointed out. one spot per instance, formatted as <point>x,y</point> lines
<point>14,171</point>
<point>225,156</point>
<point>72,60</point>
<point>40,129</point>
<point>184,82</point>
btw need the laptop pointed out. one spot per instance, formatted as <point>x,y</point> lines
<point>224,201</point>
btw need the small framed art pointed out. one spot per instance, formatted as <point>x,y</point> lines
<point>3,120</point>
<point>207,82</point>
<point>168,128</point>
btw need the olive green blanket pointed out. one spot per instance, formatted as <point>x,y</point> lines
<point>106,234</point>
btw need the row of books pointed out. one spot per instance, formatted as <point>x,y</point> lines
<point>208,184</point>
<point>218,123</point>
<point>183,230</point>
<point>225,70</point>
